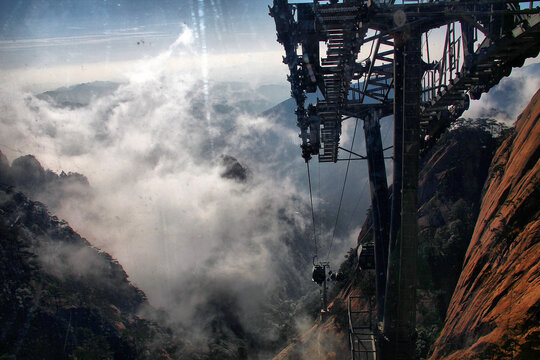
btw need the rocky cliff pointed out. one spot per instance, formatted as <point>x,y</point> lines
<point>495,310</point>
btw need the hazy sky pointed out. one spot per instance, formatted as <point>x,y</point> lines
<point>69,41</point>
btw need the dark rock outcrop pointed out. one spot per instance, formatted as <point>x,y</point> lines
<point>28,175</point>
<point>232,169</point>
<point>495,310</point>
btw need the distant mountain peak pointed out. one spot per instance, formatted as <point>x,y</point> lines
<point>78,95</point>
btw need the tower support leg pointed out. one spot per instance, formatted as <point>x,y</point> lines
<point>380,205</point>
<point>399,328</point>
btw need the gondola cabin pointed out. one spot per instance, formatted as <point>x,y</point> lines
<point>319,274</point>
<point>366,256</point>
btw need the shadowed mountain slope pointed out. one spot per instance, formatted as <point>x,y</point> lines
<point>495,309</point>
<point>62,298</point>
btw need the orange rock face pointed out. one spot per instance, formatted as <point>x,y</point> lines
<point>495,310</point>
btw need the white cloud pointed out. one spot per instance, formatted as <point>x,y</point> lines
<point>508,99</point>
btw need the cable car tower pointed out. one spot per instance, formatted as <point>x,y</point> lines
<point>420,61</point>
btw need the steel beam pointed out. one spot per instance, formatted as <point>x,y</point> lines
<point>392,286</point>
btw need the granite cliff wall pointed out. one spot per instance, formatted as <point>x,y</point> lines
<point>495,310</point>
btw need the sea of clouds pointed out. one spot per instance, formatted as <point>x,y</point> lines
<point>151,151</point>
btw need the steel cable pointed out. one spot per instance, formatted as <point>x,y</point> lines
<point>342,192</point>
<point>312,212</point>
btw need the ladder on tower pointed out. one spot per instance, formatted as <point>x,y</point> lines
<point>339,24</point>
<point>361,335</point>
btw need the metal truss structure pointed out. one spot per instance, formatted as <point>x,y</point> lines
<point>370,59</point>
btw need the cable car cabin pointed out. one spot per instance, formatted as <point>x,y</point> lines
<point>319,274</point>
<point>366,256</point>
